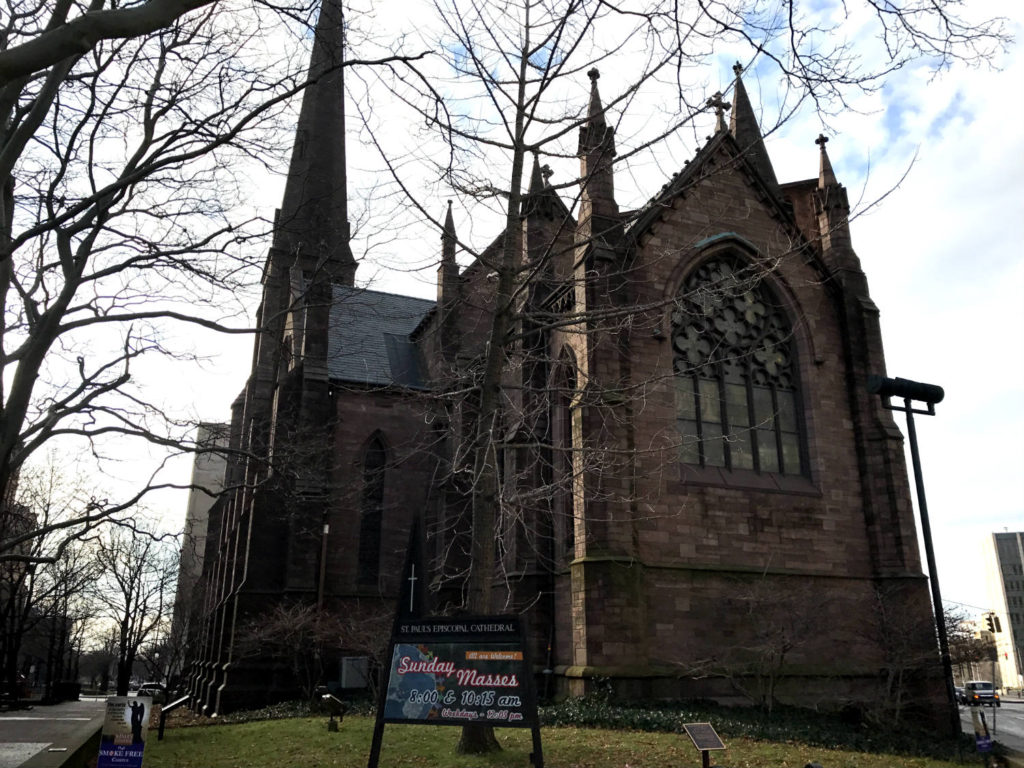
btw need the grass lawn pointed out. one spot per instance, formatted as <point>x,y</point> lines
<point>306,743</point>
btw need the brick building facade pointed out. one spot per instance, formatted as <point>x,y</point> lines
<point>698,495</point>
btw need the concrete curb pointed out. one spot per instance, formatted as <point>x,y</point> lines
<point>84,754</point>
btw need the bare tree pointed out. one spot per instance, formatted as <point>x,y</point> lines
<point>966,648</point>
<point>135,592</point>
<point>308,639</point>
<point>67,611</point>
<point>44,578</point>
<point>71,29</point>
<point>126,138</point>
<point>505,93</point>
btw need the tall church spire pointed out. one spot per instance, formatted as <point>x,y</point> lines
<point>745,129</point>
<point>312,224</point>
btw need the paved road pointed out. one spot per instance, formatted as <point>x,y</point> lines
<point>1005,723</point>
<point>39,732</point>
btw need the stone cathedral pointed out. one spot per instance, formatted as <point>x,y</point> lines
<point>697,495</point>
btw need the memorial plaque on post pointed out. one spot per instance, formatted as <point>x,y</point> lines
<point>704,738</point>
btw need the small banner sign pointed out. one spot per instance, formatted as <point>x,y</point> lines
<point>982,738</point>
<point>123,737</point>
<point>447,671</point>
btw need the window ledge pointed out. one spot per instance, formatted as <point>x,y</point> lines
<point>745,479</point>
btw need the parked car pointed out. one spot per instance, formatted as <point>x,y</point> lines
<point>981,692</point>
<point>156,691</point>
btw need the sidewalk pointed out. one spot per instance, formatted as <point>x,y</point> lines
<point>51,736</point>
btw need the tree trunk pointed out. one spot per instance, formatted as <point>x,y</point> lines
<point>477,740</point>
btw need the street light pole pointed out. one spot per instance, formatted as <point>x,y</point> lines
<point>929,394</point>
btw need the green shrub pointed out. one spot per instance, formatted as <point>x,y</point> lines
<point>787,724</point>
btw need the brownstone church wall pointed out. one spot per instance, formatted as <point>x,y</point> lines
<point>399,421</point>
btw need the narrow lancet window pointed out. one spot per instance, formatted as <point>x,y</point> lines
<point>372,511</point>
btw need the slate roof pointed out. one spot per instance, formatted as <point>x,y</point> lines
<point>369,338</point>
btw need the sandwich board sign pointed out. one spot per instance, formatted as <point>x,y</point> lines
<point>460,670</point>
<point>453,671</point>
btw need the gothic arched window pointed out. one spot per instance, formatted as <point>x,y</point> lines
<point>736,383</point>
<point>371,511</point>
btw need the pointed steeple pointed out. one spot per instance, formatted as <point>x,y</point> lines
<point>832,207</point>
<point>745,129</point>
<point>312,224</point>
<point>596,111</point>
<point>536,177</point>
<point>448,289</point>
<point>599,213</point>
<point>448,238</point>
<point>826,176</point>
<point>595,132</point>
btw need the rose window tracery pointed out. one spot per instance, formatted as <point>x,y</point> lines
<point>736,382</point>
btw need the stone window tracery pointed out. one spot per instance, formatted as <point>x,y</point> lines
<point>736,385</point>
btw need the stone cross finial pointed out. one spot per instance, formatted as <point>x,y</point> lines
<point>737,69</point>
<point>546,172</point>
<point>720,107</point>
<point>822,140</point>
<point>593,74</point>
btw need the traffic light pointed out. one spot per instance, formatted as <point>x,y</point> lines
<point>989,624</point>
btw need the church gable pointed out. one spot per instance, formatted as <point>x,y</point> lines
<point>719,191</point>
<point>767,339</point>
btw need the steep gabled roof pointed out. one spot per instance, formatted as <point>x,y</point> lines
<point>722,144</point>
<point>369,340</point>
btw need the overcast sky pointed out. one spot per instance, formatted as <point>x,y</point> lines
<point>943,257</point>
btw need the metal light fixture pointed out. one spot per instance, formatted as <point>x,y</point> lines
<point>929,394</point>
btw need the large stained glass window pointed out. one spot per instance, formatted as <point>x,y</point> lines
<point>736,393</point>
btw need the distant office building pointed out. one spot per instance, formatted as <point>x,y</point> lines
<point>207,483</point>
<point>1004,581</point>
